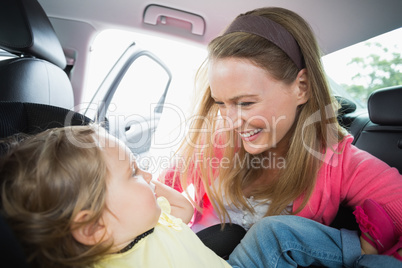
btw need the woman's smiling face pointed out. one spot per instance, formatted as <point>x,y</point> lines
<point>259,108</point>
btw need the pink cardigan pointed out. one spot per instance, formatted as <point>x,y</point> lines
<point>348,176</point>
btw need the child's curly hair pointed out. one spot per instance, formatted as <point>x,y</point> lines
<point>46,180</point>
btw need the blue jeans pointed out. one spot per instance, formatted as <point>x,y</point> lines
<point>292,241</point>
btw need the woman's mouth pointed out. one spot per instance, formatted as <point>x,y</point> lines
<point>248,134</point>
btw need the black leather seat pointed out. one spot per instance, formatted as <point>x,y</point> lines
<point>381,136</point>
<point>380,133</point>
<point>36,73</point>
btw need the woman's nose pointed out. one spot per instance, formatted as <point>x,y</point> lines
<point>233,116</point>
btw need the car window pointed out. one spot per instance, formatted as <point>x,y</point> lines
<point>140,89</point>
<point>135,106</point>
<point>356,71</point>
<point>181,58</point>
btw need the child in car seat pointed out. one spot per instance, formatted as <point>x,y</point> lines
<point>75,197</point>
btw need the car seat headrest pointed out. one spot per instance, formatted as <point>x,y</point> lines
<point>385,106</point>
<point>26,30</point>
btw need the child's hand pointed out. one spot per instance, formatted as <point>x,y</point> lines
<point>181,207</point>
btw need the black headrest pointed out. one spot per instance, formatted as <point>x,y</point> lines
<point>346,106</point>
<point>385,106</point>
<point>26,29</point>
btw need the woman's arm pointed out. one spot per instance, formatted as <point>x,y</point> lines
<point>181,207</point>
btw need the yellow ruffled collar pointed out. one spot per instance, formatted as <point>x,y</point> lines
<point>166,219</point>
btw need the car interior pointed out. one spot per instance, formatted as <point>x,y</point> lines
<point>46,45</point>
<point>37,74</point>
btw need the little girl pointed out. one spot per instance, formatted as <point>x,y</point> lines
<point>75,197</point>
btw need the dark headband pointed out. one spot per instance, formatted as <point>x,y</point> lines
<point>270,30</point>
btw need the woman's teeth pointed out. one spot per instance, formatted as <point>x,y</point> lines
<point>250,133</point>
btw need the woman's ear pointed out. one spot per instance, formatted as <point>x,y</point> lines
<point>90,233</point>
<point>303,93</point>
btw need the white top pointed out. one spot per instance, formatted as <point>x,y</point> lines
<point>241,217</point>
<point>245,218</point>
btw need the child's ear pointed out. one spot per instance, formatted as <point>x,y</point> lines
<point>88,234</point>
<point>302,84</point>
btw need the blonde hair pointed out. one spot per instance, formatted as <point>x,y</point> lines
<point>299,176</point>
<point>46,180</point>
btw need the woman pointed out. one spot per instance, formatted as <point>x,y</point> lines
<point>265,139</point>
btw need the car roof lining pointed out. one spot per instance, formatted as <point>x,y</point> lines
<point>337,24</point>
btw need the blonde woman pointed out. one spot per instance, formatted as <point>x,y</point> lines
<point>265,139</point>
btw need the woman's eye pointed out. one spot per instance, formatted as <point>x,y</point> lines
<point>244,104</point>
<point>219,103</point>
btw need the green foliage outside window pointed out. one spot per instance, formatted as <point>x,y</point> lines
<point>376,71</point>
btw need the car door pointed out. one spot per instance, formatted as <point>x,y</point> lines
<point>130,100</point>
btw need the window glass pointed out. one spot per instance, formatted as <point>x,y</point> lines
<point>133,112</point>
<point>358,70</point>
<point>182,59</point>
<point>141,87</point>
